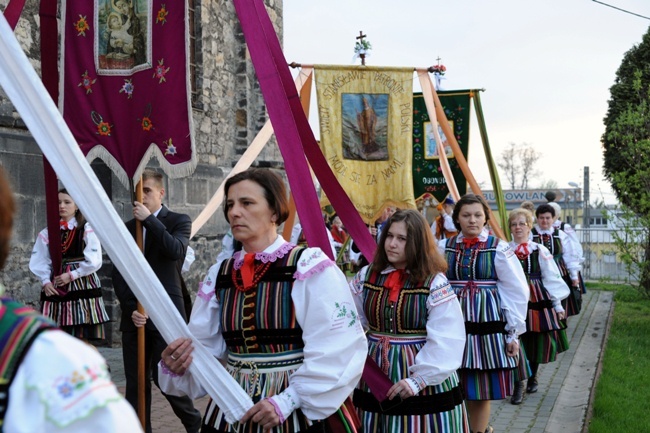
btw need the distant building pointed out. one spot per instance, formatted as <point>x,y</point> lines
<point>570,199</point>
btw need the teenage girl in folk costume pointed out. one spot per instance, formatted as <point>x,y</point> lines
<point>545,335</point>
<point>280,317</point>
<point>563,250</point>
<point>493,294</point>
<point>72,296</point>
<point>415,332</point>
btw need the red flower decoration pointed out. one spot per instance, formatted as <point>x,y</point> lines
<point>160,71</point>
<point>147,125</point>
<point>87,82</point>
<point>103,128</point>
<point>81,25</point>
<point>161,16</point>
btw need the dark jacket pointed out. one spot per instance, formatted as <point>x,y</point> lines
<point>166,240</point>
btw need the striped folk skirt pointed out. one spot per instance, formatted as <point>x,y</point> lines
<point>80,312</point>
<point>545,335</point>
<point>438,408</point>
<point>486,373</point>
<point>265,375</point>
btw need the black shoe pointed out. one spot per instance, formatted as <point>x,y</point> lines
<point>518,394</point>
<point>532,385</point>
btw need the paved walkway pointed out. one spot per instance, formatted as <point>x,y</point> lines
<point>560,405</point>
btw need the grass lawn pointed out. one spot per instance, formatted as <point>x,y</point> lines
<point>622,398</point>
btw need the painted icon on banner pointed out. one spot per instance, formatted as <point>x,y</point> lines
<point>122,36</point>
<point>364,126</point>
<point>431,149</point>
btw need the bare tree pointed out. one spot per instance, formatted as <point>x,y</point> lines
<point>510,165</point>
<point>518,163</point>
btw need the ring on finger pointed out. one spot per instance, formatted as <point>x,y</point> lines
<point>172,357</point>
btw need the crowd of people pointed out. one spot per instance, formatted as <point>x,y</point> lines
<point>443,319</point>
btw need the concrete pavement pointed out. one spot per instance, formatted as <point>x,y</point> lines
<point>560,405</point>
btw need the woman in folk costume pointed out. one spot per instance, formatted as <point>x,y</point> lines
<point>280,317</point>
<point>573,236</point>
<point>563,251</point>
<point>72,295</point>
<point>545,335</point>
<point>493,294</point>
<point>416,332</point>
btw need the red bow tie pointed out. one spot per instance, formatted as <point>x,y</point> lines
<point>522,251</point>
<point>470,242</point>
<point>64,225</point>
<point>394,283</point>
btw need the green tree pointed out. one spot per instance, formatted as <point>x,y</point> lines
<point>626,147</point>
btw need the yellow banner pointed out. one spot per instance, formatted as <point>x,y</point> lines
<point>366,123</point>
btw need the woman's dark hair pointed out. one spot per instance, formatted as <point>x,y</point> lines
<point>466,200</point>
<point>544,208</point>
<point>7,208</point>
<point>81,220</point>
<point>422,256</point>
<point>275,192</point>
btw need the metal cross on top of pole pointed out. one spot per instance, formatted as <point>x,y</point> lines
<point>362,53</point>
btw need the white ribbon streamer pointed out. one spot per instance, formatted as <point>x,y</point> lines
<point>31,99</point>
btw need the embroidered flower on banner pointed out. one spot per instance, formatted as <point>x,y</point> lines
<point>161,16</point>
<point>103,128</point>
<point>160,71</point>
<point>127,88</point>
<point>81,26</point>
<point>87,82</point>
<point>147,124</point>
<point>171,149</point>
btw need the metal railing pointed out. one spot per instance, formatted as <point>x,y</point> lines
<point>602,260</point>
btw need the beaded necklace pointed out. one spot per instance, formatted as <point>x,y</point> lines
<point>238,281</point>
<point>67,238</point>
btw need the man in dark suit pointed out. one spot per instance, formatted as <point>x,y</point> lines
<point>166,236</point>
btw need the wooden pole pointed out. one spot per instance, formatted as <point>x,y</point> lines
<point>139,239</point>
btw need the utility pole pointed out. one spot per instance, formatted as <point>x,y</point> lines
<point>586,230</point>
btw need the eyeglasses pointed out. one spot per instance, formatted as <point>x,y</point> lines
<point>518,225</point>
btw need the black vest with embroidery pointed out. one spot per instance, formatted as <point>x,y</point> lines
<point>261,319</point>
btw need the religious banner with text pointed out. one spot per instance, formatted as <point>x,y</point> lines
<point>365,134</point>
<point>125,83</point>
<point>428,179</point>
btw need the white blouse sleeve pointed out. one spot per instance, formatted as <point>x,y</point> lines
<point>448,223</point>
<point>335,345</point>
<point>570,255</point>
<point>356,287</point>
<point>92,254</point>
<point>205,325</point>
<point>551,277</point>
<point>513,290</point>
<point>63,385</point>
<point>40,264</point>
<point>573,236</point>
<point>443,351</point>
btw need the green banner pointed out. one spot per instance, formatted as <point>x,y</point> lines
<point>427,175</point>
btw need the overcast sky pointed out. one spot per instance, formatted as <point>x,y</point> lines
<point>546,66</point>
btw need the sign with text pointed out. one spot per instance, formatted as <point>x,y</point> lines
<point>365,134</point>
<point>428,179</point>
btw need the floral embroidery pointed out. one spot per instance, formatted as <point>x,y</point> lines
<point>161,16</point>
<point>80,381</point>
<point>147,124</point>
<point>440,293</point>
<point>81,26</point>
<point>87,82</point>
<point>300,276</point>
<point>128,88</point>
<point>160,71</point>
<point>306,261</point>
<point>103,128</point>
<point>171,149</point>
<point>344,313</point>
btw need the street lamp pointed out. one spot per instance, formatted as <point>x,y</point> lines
<point>575,202</point>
